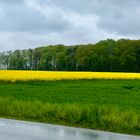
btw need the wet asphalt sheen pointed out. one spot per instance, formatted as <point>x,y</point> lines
<point>22,130</point>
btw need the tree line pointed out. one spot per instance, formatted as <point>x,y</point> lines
<point>107,55</point>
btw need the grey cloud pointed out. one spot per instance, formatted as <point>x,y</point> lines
<point>7,2</point>
<point>114,16</point>
<point>23,18</point>
<point>119,16</point>
<point>90,6</point>
<point>66,21</point>
<point>121,25</point>
<point>80,6</point>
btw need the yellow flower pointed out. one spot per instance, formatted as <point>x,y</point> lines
<point>15,75</point>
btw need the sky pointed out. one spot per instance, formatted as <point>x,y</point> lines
<point>32,23</point>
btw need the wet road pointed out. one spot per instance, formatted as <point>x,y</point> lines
<point>20,130</point>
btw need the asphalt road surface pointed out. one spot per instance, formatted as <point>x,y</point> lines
<point>21,130</point>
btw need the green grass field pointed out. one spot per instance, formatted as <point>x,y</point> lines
<point>112,105</point>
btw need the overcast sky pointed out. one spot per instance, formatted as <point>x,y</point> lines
<point>33,23</point>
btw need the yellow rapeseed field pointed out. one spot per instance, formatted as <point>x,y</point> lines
<point>15,75</point>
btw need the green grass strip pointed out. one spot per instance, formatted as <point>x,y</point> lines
<point>87,116</point>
